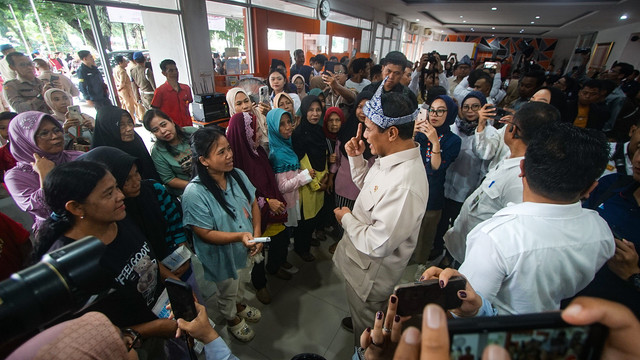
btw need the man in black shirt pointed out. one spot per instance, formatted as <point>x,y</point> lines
<point>91,84</point>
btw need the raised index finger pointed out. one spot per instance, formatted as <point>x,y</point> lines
<point>359,133</point>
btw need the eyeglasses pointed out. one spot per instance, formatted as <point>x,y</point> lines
<point>46,133</point>
<point>474,107</point>
<point>133,339</point>
<point>438,112</point>
<point>339,72</point>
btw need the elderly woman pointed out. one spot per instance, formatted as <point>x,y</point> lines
<point>37,144</point>
<point>115,127</point>
<point>74,129</point>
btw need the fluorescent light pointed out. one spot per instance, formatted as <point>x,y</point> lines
<point>624,17</point>
<point>494,8</point>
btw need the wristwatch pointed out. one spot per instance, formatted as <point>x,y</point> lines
<point>634,280</point>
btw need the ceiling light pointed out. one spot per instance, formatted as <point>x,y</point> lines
<point>538,17</point>
<point>493,28</point>
<point>461,16</point>
<point>494,8</point>
<point>464,21</point>
<point>417,19</point>
<point>624,17</point>
<point>533,22</point>
<point>493,35</point>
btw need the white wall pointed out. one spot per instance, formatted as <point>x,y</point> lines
<point>631,52</point>
<point>620,36</point>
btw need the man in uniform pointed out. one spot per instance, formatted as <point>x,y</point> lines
<point>25,92</point>
<point>143,83</point>
<point>90,80</point>
<point>382,231</point>
<point>123,85</point>
<point>5,70</point>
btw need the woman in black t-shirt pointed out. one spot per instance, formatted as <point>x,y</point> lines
<point>86,201</point>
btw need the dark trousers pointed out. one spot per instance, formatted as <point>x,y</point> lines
<point>325,216</point>
<point>450,212</point>
<point>302,234</point>
<point>277,251</point>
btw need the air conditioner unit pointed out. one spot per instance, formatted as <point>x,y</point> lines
<point>414,28</point>
<point>394,21</point>
<point>427,32</point>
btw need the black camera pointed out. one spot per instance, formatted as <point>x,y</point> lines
<point>582,51</point>
<point>432,56</point>
<point>64,281</point>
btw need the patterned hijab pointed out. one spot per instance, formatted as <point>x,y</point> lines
<point>22,136</point>
<point>469,127</point>
<point>281,153</point>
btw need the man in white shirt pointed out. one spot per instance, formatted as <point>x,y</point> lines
<point>359,75</point>
<point>382,231</point>
<point>502,184</point>
<point>5,71</point>
<point>530,256</point>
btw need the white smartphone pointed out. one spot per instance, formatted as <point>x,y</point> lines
<point>74,112</point>
<point>264,94</point>
<point>260,240</point>
<point>422,115</point>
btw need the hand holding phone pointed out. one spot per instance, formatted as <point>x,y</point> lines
<point>413,297</point>
<point>181,299</point>
<point>470,301</point>
<point>264,94</point>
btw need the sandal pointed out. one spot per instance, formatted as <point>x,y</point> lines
<point>241,331</point>
<point>250,314</point>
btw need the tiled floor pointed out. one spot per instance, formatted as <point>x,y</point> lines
<point>303,317</point>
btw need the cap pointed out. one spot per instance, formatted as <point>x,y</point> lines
<point>465,60</point>
<point>138,55</point>
<point>5,47</point>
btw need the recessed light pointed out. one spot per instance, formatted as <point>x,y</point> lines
<point>461,16</point>
<point>538,17</point>
<point>493,35</point>
<point>533,22</point>
<point>494,8</point>
<point>417,19</point>
<point>624,17</point>
<point>464,21</point>
<point>493,28</point>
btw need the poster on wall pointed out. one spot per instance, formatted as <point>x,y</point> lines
<point>600,55</point>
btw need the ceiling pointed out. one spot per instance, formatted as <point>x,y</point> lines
<point>542,18</point>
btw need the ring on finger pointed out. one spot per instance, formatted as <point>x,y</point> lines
<point>386,329</point>
<point>374,343</point>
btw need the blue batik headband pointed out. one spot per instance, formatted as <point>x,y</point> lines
<point>373,110</point>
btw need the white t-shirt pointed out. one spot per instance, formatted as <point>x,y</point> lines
<point>358,86</point>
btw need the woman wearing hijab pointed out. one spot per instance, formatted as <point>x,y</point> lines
<point>309,144</point>
<point>345,190</point>
<point>239,101</point>
<point>59,100</point>
<point>37,144</point>
<point>439,148</point>
<point>251,158</point>
<point>301,86</point>
<point>464,175</point>
<point>285,102</point>
<point>115,128</point>
<point>321,96</point>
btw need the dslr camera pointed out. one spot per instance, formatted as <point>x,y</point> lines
<point>432,56</point>
<point>582,51</point>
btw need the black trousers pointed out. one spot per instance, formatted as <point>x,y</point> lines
<point>450,212</point>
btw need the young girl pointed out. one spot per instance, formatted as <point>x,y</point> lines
<point>285,102</point>
<point>286,166</point>
<point>278,83</point>
<point>310,146</point>
<point>220,206</point>
<point>252,159</point>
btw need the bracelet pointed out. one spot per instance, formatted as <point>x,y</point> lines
<point>436,152</point>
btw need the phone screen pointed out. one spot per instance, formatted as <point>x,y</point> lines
<point>490,65</point>
<point>181,299</point>
<point>264,94</point>
<point>537,336</point>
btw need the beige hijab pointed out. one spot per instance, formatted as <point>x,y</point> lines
<point>260,119</point>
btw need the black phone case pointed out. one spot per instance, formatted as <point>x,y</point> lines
<point>412,300</point>
<point>181,299</point>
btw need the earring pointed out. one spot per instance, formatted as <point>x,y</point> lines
<point>82,217</point>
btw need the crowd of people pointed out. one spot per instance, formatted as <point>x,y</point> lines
<point>528,188</point>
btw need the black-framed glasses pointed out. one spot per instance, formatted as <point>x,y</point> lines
<point>437,112</point>
<point>474,107</point>
<point>133,339</point>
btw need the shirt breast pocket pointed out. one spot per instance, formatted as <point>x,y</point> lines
<point>367,200</point>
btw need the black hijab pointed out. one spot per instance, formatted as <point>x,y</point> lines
<point>144,209</point>
<point>107,133</point>
<point>350,128</point>
<point>309,139</point>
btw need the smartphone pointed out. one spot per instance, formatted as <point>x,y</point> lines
<point>329,66</point>
<point>181,299</point>
<point>423,115</point>
<point>500,112</point>
<point>74,112</point>
<point>530,335</point>
<point>490,64</point>
<point>264,94</point>
<point>413,297</point>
